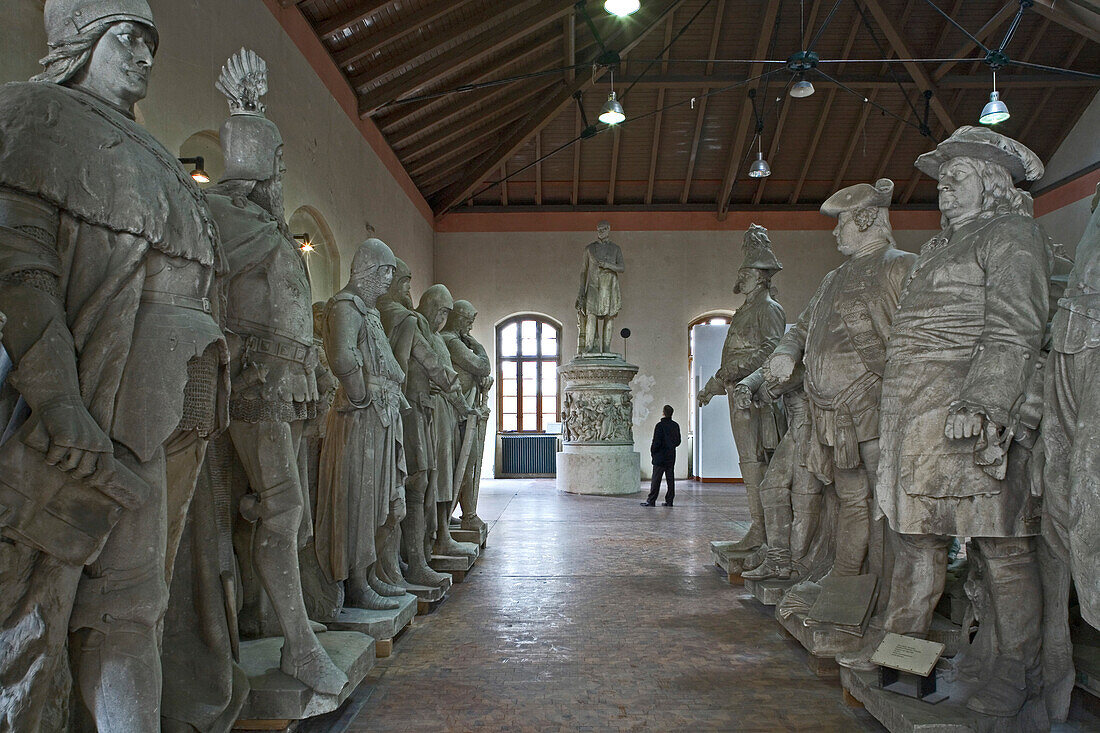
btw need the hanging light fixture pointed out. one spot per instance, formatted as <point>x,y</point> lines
<point>801,89</point>
<point>759,167</point>
<point>622,8</point>
<point>612,111</point>
<point>995,110</point>
<point>199,175</point>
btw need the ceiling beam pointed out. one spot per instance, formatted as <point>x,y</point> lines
<point>842,169</point>
<point>871,81</point>
<point>701,112</point>
<point>471,136</point>
<point>618,135</point>
<point>577,126</point>
<point>901,48</point>
<point>999,18</point>
<point>399,29</point>
<point>655,145</point>
<point>549,110</point>
<point>357,12</point>
<point>417,76</point>
<point>737,146</point>
<point>504,184</point>
<point>1041,108</point>
<point>895,138</point>
<point>1082,22</point>
<point>538,169</point>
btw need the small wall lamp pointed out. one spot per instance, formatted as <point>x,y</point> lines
<point>199,174</point>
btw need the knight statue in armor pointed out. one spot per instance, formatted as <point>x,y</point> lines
<point>360,497</point>
<point>599,299</point>
<point>269,325</point>
<point>955,441</point>
<point>448,407</point>
<point>475,377</point>
<point>411,337</point>
<point>753,334</point>
<point>108,257</point>
<point>841,338</point>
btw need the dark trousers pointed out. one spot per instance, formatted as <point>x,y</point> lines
<point>669,472</point>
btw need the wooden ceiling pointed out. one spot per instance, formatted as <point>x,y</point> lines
<point>688,139</point>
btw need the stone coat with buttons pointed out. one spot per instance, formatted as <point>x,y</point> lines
<point>967,333</point>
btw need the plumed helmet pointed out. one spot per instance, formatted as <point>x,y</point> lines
<point>859,196</point>
<point>982,143</point>
<point>433,299</point>
<point>249,139</point>
<point>66,19</point>
<point>757,250</point>
<point>371,254</point>
<point>462,309</point>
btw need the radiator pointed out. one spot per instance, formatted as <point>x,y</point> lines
<point>528,455</point>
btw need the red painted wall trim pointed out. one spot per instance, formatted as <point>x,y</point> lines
<point>1082,187</point>
<point>299,30</point>
<point>662,221</point>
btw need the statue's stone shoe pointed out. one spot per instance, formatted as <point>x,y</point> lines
<point>369,599</point>
<point>383,588</point>
<point>473,522</point>
<point>999,696</point>
<point>777,564</point>
<point>425,576</point>
<point>860,660</point>
<point>752,540</point>
<point>314,670</point>
<point>446,545</point>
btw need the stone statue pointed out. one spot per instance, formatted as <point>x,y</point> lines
<point>599,300</point>
<point>841,337</point>
<point>1069,548</point>
<point>448,407</point>
<point>954,450</point>
<point>475,377</point>
<point>107,263</point>
<point>270,326</point>
<point>790,493</point>
<point>753,333</point>
<point>360,498</point>
<point>410,337</point>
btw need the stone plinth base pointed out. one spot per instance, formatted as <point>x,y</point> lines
<point>381,625</point>
<point>729,560</point>
<point>455,565</point>
<point>901,714</point>
<point>473,536</point>
<point>277,696</point>
<point>769,592</point>
<point>429,593</point>
<point>600,470</point>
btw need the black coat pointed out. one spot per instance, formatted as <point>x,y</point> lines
<point>666,436</point>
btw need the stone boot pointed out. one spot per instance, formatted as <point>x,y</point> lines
<point>1004,694</point>
<point>752,473</point>
<point>381,587</point>
<point>413,534</point>
<point>315,670</point>
<point>806,509</point>
<point>777,564</point>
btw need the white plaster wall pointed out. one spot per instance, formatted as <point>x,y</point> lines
<point>1067,224</point>
<point>330,166</point>
<point>671,278</point>
<point>1079,150</point>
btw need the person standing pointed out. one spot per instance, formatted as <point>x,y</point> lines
<point>666,436</point>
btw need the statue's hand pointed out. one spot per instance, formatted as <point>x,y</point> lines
<point>704,398</point>
<point>780,366</point>
<point>76,444</point>
<point>742,397</point>
<point>962,422</point>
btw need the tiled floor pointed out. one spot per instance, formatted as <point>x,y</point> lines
<point>596,614</point>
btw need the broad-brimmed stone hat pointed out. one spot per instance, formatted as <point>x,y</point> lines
<point>860,196</point>
<point>983,144</point>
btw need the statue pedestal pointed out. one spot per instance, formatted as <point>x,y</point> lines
<point>768,592</point>
<point>728,560</point>
<point>383,626</point>
<point>278,696</point>
<point>598,457</point>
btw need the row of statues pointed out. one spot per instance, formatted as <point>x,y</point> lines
<point>192,452</point>
<point>942,395</point>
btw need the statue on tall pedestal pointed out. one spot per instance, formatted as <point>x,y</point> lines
<point>361,498</point>
<point>475,376</point>
<point>954,443</point>
<point>841,337</point>
<point>107,262</point>
<point>599,299</point>
<point>753,333</point>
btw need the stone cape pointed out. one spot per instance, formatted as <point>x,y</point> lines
<point>396,320</point>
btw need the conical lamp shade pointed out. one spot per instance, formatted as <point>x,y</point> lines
<point>622,8</point>
<point>994,110</point>
<point>612,112</point>
<point>760,167</point>
<point>801,89</point>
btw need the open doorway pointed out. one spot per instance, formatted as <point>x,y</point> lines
<point>713,451</point>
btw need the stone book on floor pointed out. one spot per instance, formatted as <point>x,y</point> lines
<point>845,603</point>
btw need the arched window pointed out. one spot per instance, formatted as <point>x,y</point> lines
<point>319,249</point>
<point>528,355</point>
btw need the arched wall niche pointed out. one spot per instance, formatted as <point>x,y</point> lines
<point>208,145</point>
<point>323,262</point>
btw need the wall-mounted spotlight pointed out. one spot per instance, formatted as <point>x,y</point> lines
<point>307,243</point>
<point>199,174</point>
<point>622,8</point>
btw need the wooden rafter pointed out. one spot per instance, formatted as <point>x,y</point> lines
<point>819,126</point>
<point>460,147</point>
<point>853,141</point>
<point>548,111</point>
<point>356,13</point>
<point>901,48</point>
<point>1041,108</point>
<point>538,169</point>
<point>737,147</point>
<point>701,111</point>
<point>398,30</point>
<point>895,137</point>
<point>655,145</point>
<point>618,134</point>
<point>1082,23</point>
<point>577,127</point>
<point>867,81</point>
<point>457,57</point>
<point>503,184</point>
<point>983,34</point>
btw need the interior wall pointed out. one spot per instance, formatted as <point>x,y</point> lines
<point>330,167</point>
<point>671,278</point>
